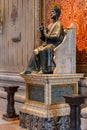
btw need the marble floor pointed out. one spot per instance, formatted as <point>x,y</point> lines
<point>9,125</point>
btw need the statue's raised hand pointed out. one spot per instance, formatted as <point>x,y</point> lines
<point>41,28</point>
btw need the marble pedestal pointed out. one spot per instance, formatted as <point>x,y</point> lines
<point>75,101</point>
<point>44,108</point>
<point>11,114</point>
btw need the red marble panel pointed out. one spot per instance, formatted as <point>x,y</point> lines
<point>73,11</point>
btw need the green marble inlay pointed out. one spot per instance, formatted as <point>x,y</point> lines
<point>59,91</point>
<point>36,93</point>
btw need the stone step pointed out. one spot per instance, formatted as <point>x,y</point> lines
<point>21,89</point>
<point>3,106</point>
<point>18,97</point>
<point>11,79</point>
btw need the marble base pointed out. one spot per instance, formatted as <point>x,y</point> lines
<point>32,122</point>
<point>44,107</point>
<point>5,117</point>
<point>41,110</point>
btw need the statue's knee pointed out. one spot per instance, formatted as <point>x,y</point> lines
<point>36,51</point>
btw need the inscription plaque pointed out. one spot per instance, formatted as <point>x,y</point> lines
<point>59,91</point>
<point>36,93</point>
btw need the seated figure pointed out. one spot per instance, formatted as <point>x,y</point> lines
<point>42,58</point>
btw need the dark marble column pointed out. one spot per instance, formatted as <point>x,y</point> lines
<point>75,101</point>
<point>11,114</point>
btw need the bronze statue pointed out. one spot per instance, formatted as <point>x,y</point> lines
<point>42,57</point>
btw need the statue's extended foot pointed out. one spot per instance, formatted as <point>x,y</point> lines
<point>40,72</point>
<point>45,72</point>
<point>34,72</point>
<point>26,72</point>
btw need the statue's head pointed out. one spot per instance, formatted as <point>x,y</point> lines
<point>55,12</point>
